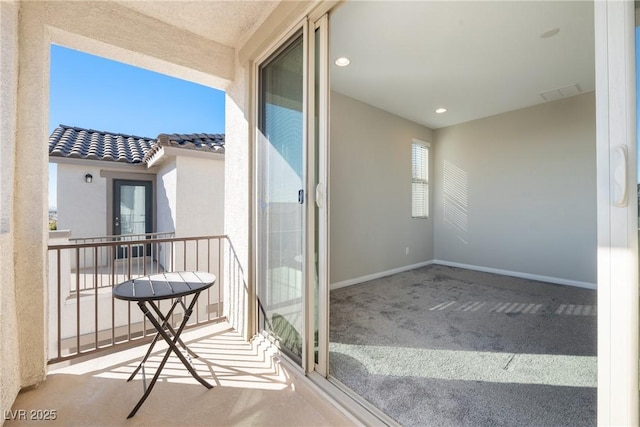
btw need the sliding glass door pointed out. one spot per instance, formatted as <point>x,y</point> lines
<point>280,191</point>
<point>290,194</point>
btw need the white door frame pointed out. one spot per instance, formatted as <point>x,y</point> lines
<point>315,195</point>
<point>302,28</point>
<point>318,197</point>
<point>616,150</point>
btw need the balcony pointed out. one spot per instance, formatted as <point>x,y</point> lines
<point>95,342</point>
<point>252,386</point>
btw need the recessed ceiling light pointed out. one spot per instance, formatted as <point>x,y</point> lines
<point>441,110</point>
<point>343,62</point>
<point>549,32</point>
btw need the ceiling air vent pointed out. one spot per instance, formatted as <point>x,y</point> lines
<point>562,92</point>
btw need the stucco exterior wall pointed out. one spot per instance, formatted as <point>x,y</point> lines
<point>237,198</point>
<point>200,196</point>
<point>30,208</point>
<point>82,207</point>
<point>166,197</point>
<point>10,378</point>
<point>370,190</point>
<point>166,210</point>
<point>517,192</point>
<point>191,203</point>
<point>190,195</point>
<point>113,31</point>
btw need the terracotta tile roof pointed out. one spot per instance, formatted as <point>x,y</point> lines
<point>195,141</point>
<point>79,143</point>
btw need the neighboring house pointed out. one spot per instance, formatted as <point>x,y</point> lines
<point>112,184</point>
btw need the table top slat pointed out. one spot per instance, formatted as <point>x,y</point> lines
<point>164,286</point>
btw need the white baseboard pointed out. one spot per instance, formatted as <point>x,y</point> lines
<point>539,278</point>
<point>374,276</point>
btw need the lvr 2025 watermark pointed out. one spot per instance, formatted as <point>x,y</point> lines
<point>30,414</point>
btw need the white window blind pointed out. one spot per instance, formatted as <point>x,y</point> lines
<point>419,180</point>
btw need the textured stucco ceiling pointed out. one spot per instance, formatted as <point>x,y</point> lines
<point>227,22</point>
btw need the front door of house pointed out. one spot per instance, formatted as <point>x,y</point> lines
<point>132,215</point>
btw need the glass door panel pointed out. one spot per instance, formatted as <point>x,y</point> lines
<point>280,197</point>
<point>132,214</point>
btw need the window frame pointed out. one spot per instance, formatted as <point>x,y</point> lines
<point>419,180</point>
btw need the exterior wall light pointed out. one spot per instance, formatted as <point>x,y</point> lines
<point>88,178</point>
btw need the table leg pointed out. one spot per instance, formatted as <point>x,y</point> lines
<point>168,325</point>
<point>165,323</point>
<point>165,320</point>
<point>172,347</point>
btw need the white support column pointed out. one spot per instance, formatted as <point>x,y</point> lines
<point>617,214</point>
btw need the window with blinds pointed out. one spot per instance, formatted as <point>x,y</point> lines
<point>419,179</point>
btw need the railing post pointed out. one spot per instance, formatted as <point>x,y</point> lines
<point>58,296</point>
<point>95,286</point>
<point>77,301</point>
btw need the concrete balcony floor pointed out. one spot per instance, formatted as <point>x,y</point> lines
<point>251,387</point>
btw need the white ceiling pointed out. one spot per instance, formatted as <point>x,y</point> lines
<point>229,22</point>
<point>475,58</point>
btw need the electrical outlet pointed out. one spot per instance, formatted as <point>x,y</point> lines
<point>406,250</point>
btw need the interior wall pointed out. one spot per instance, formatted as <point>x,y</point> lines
<point>10,380</point>
<point>370,192</point>
<point>517,192</point>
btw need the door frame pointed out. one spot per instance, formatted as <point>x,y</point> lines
<point>253,306</point>
<point>149,214</point>
<point>313,19</point>
<point>318,196</point>
<point>616,156</point>
<point>112,175</point>
<point>149,199</point>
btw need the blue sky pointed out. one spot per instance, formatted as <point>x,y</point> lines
<point>92,92</point>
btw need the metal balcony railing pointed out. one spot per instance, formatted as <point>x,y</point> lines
<point>83,315</point>
<point>83,261</point>
<point>122,237</point>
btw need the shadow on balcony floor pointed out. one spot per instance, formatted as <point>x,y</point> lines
<point>251,388</point>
